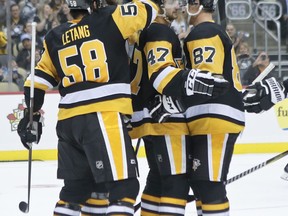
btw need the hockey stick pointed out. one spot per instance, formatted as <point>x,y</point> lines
<point>263,164</point>
<point>241,175</point>
<point>260,77</point>
<point>138,205</point>
<point>24,206</point>
<point>137,146</point>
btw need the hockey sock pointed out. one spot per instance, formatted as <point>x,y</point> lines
<point>174,192</point>
<point>63,208</point>
<point>172,206</point>
<point>211,209</point>
<point>199,207</point>
<point>150,205</point>
<point>124,207</point>
<point>96,205</point>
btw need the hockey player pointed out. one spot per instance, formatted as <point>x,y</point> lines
<point>214,125</point>
<point>166,188</point>
<point>87,59</point>
<point>157,69</point>
<point>264,95</point>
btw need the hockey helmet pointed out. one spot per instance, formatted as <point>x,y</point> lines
<point>79,4</point>
<point>208,5</point>
<point>160,3</point>
<point>87,4</point>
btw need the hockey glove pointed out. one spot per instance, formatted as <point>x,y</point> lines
<point>28,134</point>
<point>162,107</point>
<point>263,95</point>
<point>205,84</point>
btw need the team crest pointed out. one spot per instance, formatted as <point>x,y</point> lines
<point>99,165</point>
<point>196,164</point>
<point>17,114</point>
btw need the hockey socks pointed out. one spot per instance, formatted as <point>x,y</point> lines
<point>63,208</point>
<point>95,206</point>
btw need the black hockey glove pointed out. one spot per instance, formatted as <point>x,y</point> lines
<point>27,134</point>
<point>162,107</point>
<point>263,95</point>
<point>205,84</point>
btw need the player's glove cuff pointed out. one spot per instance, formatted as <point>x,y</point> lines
<point>205,84</point>
<point>162,107</point>
<point>30,134</point>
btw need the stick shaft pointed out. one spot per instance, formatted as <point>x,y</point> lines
<point>31,107</point>
<point>260,77</point>
<point>137,146</point>
<point>257,167</point>
<point>264,73</point>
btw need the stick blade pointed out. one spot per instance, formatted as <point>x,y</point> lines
<point>23,206</point>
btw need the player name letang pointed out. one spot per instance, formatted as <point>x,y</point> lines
<point>75,33</point>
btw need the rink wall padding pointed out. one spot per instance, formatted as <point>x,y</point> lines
<point>264,133</point>
<point>51,154</point>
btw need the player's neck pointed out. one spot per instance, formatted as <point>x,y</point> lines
<point>162,20</point>
<point>203,17</point>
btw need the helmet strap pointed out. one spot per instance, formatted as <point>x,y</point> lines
<point>163,15</point>
<point>193,14</point>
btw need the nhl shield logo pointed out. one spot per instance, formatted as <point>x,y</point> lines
<point>99,165</point>
<point>196,164</point>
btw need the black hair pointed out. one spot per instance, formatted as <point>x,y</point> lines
<point>76,13</point>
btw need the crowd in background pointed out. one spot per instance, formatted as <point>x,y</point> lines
<point>50,13</point>
<point>46,13</point>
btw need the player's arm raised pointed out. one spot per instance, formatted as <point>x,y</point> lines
<point>138,14</point>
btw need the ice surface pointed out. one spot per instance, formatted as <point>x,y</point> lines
<point>261,193</point>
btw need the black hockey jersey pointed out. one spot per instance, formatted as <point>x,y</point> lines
<point>87,58</point>
<point>157,58</point>
<point>209,48</point>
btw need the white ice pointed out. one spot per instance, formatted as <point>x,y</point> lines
<point>261,193</point>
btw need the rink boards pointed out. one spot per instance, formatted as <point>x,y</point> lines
<point>264,133</point>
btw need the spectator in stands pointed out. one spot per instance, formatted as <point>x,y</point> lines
<point>3,43</point>
<point>29,10</point>
<point>17,23</point>
<point>1,73</point>
<point>284,23</point>
<point>250,67</point>
<point>56,6</point>
<point>2,13</point>
<point>23,58</point>
<point>16,76</point>
<point>236,37</point>
<point>180,25</point>
<point>64,14</point>
<point>55,23</point>
<point>44,20</point>
<point>28,30</point>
